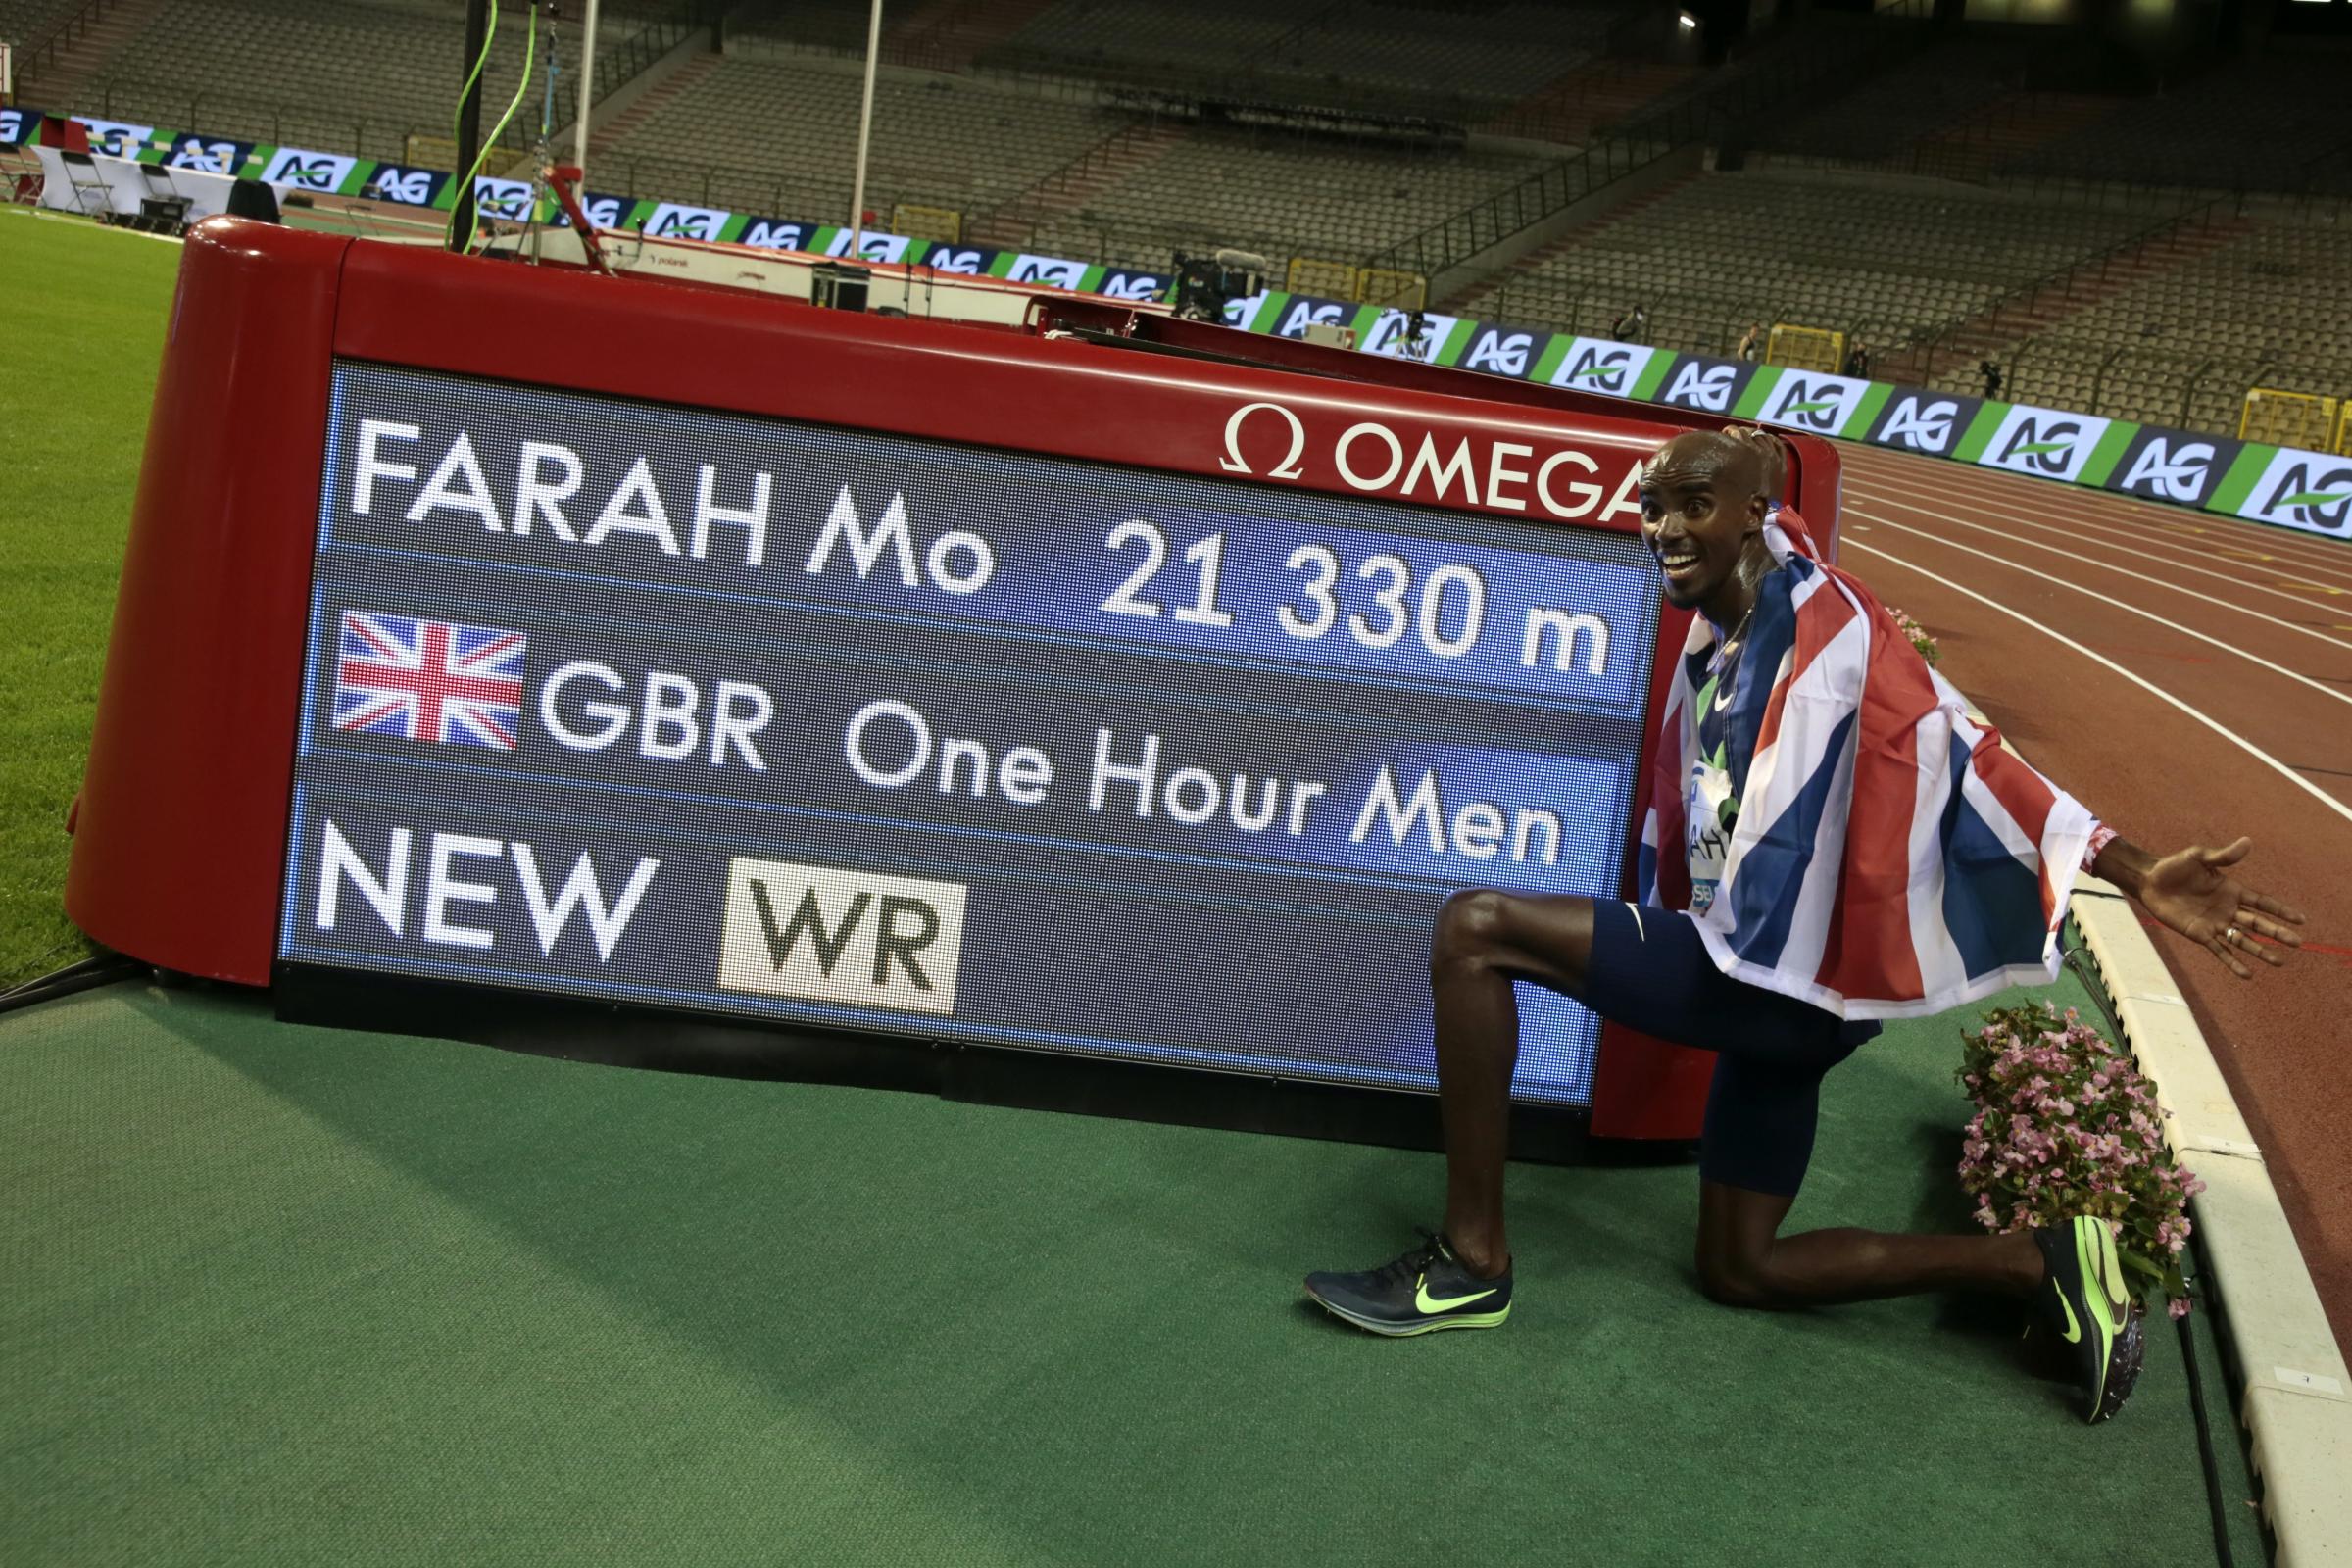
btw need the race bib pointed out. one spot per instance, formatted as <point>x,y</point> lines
<point>1708,811</point>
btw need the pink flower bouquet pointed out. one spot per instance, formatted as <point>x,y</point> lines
<point>1917,633</point>
<point>2066,1125</point>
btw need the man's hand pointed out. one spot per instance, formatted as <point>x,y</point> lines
<point>2192,892</point>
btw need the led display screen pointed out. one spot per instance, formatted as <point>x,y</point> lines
<point>779,720</point>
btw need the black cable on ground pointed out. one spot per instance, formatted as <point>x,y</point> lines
<point>2091,982</point>
<point>104,969</point>
<point>2205,1455</point>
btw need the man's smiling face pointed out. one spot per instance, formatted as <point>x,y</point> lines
<point>1703,496</point>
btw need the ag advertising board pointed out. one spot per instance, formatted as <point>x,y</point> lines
<point>754,717</point>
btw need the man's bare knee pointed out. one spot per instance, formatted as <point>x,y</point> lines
<point>1470,927</point>
<point>1740,1282</point>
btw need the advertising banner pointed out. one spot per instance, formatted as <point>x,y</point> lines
<point>300,169</point>
<point>1809,401</point>
<point>1596,364</point>
<point>2176,465</point>
<point>2045,443</point>
<point>205,155</point>
<point>1701,382</point>
<point>1916,419</point>
<point>116,138</point>
<point>2289,489</point>
<point>2293,489</point>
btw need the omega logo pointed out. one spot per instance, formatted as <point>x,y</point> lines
<point>1288,468</point>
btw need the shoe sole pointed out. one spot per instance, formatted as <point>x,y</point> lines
<point>2128,1347</point>
<point>2123,1370</point>
<point>1429,1325</point>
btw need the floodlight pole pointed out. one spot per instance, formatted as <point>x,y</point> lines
<point>470,123</point>
<point>866,133</point>
<point>587,90</point>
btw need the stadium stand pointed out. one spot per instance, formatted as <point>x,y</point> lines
<point>2275,124</point>
<point>360,75</point>
<point>1888,257</point>
<point>1463,59</point>
<point>2181,344</point>
<point>783,132</point>
<point>1120,131</point>
<point>29,21</point>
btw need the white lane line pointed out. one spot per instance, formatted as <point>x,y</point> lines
<point>2291,546</point>
<point>2108,534</point>
<point>2228,734</point>
<point>2101,566</point>
<point>2206,544</point>
<point>2322,687</point>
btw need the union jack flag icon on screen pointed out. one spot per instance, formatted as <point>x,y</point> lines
<point>430,680</point>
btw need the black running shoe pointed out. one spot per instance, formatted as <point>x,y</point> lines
<point>1426,1289</point>
<point>2086,1306</point>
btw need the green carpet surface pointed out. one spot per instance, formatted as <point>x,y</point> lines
<point>290,1294</point>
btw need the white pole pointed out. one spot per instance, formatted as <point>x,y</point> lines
<point>865,133</point>
<point>587,89</point>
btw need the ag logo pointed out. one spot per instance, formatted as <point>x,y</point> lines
<point>2165,465</point>
<point>771,235</point>
<point>2043,442</point>
<point>1817,403</point>
<point>1051,271</point>
<point>1131,285</point>
<point>831,935</point>
<point>1921,422</point>
<point>1500,351</point>
<point>306,169</point>
<point>1392,334</point>
<point>116,138</point>
<point>1710,384</point>
<point>1305,313</point>
<point>603,212</point>
<point>502,198</point>
<point>211,156</point>
<point>670,220</point>
<point>417,187</point>
<point>2304,490</point>
<point>963,262</point>
<point>1595,364</point>
<point>871,246</point>
<point>15,125</point>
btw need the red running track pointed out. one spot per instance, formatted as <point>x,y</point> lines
<point>2189,679</point>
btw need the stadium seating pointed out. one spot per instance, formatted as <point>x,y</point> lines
<point>29,21</point>
<point>358,75</point>
<point>1884,257</point>
<point>2277,123</point>
<point>1427,51</point>
<point>2180,346</point>
<point>781,136</point>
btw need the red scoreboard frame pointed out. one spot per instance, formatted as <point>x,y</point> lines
<point>180,830</point>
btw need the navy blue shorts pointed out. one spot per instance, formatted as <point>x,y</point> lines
<point>1651,971</point>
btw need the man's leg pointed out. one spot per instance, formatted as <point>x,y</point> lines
<point>1481,942</point>
<point>1744,1261</point>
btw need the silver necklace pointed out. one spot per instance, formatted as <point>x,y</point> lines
<point>1729,655</point>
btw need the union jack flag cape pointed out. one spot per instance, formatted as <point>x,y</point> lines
<point>1892,857</point>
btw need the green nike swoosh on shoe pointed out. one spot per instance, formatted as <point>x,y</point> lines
<point>1442,1304</point>
<point>2089,1308</point>
<point>1427,1288</point>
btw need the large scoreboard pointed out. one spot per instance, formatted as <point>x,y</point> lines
<point>576,637</point>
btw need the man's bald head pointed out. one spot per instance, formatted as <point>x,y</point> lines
<point>1736,461</point>
<point>1704,497</point>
